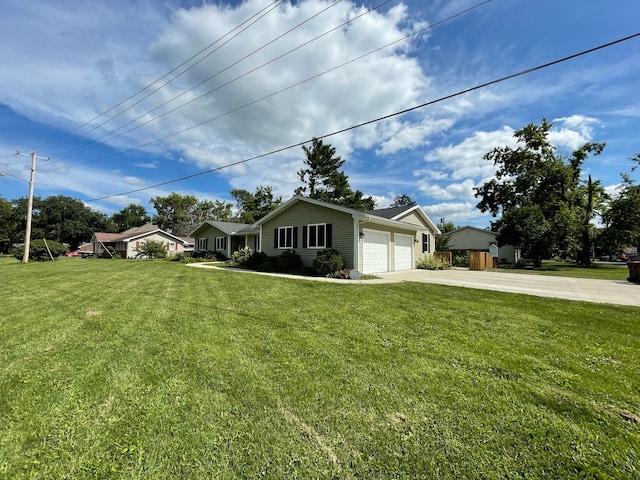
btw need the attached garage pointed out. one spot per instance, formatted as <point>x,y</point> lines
<point>403,252</point>
<point>375,252</point>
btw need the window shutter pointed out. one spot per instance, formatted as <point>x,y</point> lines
<point>295,237</point>
<point>275,238</point>
<point>305,230</point>
<point>224,243</point>
<point>425,244</point>
<point>328,232</point>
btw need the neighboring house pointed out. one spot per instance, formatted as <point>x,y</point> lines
<point>188,243</point>
<point>383,240</point>
<point>478,239</point>
<point>126,243</point>
<point>224,237</point>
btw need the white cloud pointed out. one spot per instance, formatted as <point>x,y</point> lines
<point>456,212</point>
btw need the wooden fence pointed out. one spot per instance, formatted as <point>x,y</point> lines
<point>480,261</point>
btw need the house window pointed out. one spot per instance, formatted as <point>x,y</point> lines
<point>221,243</point>
<point>316,236</point>
<point>285,237</point>
<point>203,243</point>
<point>426,243</point>
<point>172,246</point>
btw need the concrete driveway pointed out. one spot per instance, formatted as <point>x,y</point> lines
<point>586,290</point>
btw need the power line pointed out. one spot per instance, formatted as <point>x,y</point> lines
<point>401,112</point>
<point>412,34</point>
<point>269,8</point>
<point>70,154</point>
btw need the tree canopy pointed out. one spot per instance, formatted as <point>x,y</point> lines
<point>323,180</point>
<point>130,216</point>
<point>251,207</point>
<point>542,204</point>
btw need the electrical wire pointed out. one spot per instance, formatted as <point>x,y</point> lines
<point>412,34</point>
<point>369,122</point>
<point>71,154</point>
<point>268,9</point>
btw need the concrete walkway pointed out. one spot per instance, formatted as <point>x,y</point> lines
<point>586,290</point>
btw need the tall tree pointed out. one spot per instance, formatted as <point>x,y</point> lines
<point>130,216</point>
<point>221,211</point>
<point>402,200</point>
<point>174,212</point>
<point>543,205</point>
<point>8,225</point>
<point>323,179</point>
<point>251,207</point>
<point>60,218</point>
<point>622,216</point>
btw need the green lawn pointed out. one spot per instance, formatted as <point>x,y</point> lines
<point>154,370</point>
<point>601,271</point>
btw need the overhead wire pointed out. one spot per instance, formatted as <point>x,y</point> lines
<point>385,117</point>
<point>268,9</point>
<point>184,92</point>
<point>412,34</point>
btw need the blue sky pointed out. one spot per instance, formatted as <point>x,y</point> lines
<point>66,62</point>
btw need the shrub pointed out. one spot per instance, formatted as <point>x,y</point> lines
<point>430,262</point>
<point>289,262</point>
<point>208,255</point>
<point>240,257</point>
<point>38,250</point>
<point>255,259</point>
<point>327,262</point>
<point>267,264</point>
<point>151,249</point>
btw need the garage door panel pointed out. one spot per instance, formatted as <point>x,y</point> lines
<point>375,252</point>
<point>403,252</point>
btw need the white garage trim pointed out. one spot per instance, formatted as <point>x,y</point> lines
<point>403,252</point>
<point>375,251</point>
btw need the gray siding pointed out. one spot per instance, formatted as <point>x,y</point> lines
<point>301,214</point>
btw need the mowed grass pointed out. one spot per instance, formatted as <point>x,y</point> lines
<point>599,271</point>
<point>134,369</point>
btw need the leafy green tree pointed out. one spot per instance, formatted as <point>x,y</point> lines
<point>174,212</point>
<point>622,216</point>
<point>251,207</point>
<point>60,218</point>
<point>42,251</point>
<point>323,180</point>
<point>151,249</point>
<point>221,211</point>
<point>543,205</point>
<point>130,216</point>
<point>402,200</point>
<point>441,240</point>
<point>8,225</point>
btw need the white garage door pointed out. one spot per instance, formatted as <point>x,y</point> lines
<point>403,252</point>
<point>375,252</point>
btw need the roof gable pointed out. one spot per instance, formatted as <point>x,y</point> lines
<point>228,228</point>
<point>297,198</point>
<point>398,213</point>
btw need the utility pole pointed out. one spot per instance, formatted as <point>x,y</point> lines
<point>27,232</point>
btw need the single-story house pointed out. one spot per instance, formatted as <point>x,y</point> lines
<point>225,237</point>
<point>478,239</point>
<point>126,243</point>
<point>384,240</point>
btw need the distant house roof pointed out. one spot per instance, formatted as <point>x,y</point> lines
<point>132,234</point>
<point>469,227</point>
